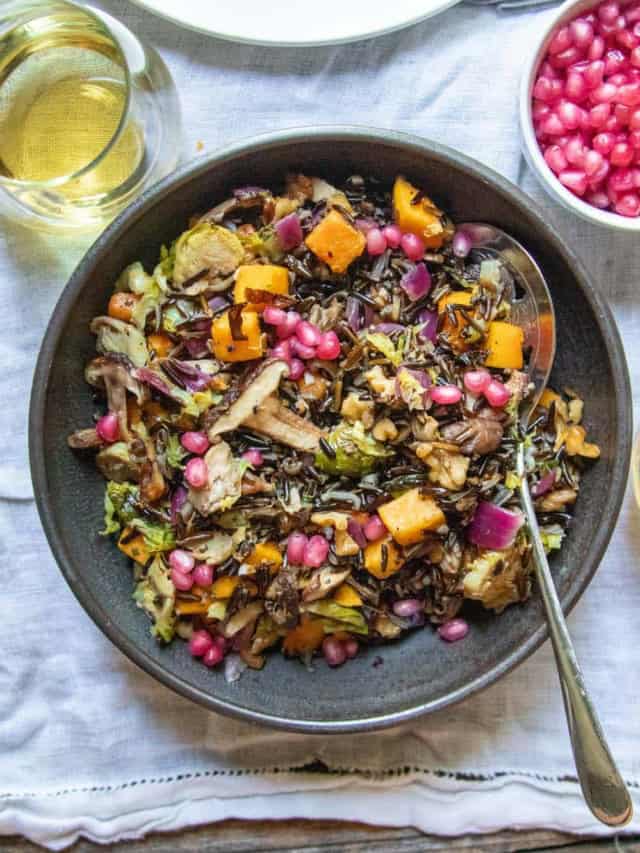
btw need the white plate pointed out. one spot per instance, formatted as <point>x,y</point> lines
<point>293,22</point>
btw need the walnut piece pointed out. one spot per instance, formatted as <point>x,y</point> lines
<point>354,408</point>
<point>385,430</point>
<point>381,386</point>
<point>557,500</point>
<point>447,469</point>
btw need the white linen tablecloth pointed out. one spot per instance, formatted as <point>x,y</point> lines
<point>90,745</point>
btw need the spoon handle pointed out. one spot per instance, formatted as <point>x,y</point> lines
<point>604,790</point>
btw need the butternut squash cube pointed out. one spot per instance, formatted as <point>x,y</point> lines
<point>347,596</point>
<point>410,516</point>
<point>265,552</point>
<point>305,637</point>
<point>417,216</point>
<point>224,587</point>
<point>504,343</point>
<point>226,349</point>
<point>273,279</point>
<point>374,562</point>
<point>336,242</point>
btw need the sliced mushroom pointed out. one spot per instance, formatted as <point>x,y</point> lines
<point>282,598</point>
<point>258,387</point>
<point>213,548</point>
<point>112,373</point>
<point>276,421</point>
<point>116,336</point>
<point>323,581</point>
<point>241,618</point>
<point>115,462</point>
<point>82,439</point>
<point>253,485</point>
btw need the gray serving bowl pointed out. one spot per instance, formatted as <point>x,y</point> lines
<point>384,685</point>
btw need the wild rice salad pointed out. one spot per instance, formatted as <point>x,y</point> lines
<point>311,416</point>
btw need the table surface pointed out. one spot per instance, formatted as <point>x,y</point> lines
<point>303,836</point>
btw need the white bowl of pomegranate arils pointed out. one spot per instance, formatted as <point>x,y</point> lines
<point>580,111</point>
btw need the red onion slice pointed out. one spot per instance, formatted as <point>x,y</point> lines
<point>353,314</point>
<point>417,282</point>
<point>289,232</point>
<point>428,325</point>
<point>494,527</point>
<point>544,485</point>
<point>355,531</point>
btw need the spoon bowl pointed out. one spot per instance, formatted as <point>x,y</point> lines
<point>532,309</point>
<point>531,305</point>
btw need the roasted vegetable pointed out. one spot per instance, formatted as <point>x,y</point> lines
<point>259,278</point>
<point>504,343</point>
<point>245,347</point>
<point>336,242</point>
<point>410,516</point>
<point>383,558</point>
<point>207,250</point>
<point>355,452</point>
<point>156,594</point>
<point>416,213</point>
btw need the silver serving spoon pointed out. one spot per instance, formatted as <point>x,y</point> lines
<point>604,790</point>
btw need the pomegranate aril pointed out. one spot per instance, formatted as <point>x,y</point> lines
<point>618,79</point>
<point>566,57</point>
<point>597,177</point>
<point>547,70</point>
<point>574,180</point>
<point>543,90</point>
<point>627,40</point>
<point>614,61</point>
<point>612,125</point>
<point>552,126</point>
<point>581,32</point>
<point>575,88</point>
<point>598,199</point>
<point>606,92</point>
<point>574,151</point>
<point>591,163</point>
<point>599,114</point>
<point>629,94</point>
<point>628,205</point>
<point>296,369</point>
<point>622,113</point>
<point>539,111</point>
<point>621,181</point>
<point>632,13</point>
<point>569,114</point>
<point>560,41</point>
<point>635,57</point>
<point>621,154</point>
<point>555,158</point>
<point>634,139</point>
<point>608,11</point>
<point>593,74</point>
<point>603,143</point>
<point>596,48</point>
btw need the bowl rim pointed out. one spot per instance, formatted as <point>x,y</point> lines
<point>532,152</point>
<point>120,226</point>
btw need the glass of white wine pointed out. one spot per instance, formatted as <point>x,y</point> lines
<point>89,116</point>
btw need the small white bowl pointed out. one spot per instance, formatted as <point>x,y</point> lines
<point>532,152</point>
